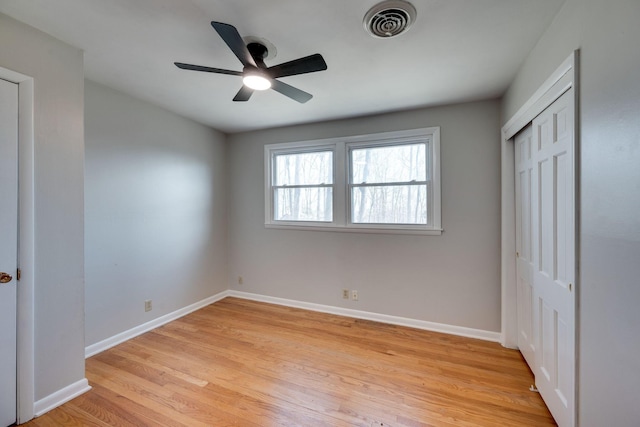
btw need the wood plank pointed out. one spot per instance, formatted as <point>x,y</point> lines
<point>246,363</point>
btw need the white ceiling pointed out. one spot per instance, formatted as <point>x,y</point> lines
<point>457,50</point>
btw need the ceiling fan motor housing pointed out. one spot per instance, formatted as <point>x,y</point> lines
<point>389,18</point>
<point>258,50</point>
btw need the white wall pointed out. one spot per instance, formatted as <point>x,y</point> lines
<point>155,209</point>
<point>452,279</point>
<point>607,33</point>
<point>57,70</point>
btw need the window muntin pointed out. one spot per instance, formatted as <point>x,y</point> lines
<point>404,165</point>
<point>303,186</point>
<point>389,184</point>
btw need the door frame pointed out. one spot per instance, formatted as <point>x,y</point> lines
<point>565,77</point>
<point>26,246</point>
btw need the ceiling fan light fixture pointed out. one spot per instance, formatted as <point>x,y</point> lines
<point>256,81</point>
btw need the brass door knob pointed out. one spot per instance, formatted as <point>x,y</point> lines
<point>5,278</point>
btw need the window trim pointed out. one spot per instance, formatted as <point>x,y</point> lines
<point>341,181</point>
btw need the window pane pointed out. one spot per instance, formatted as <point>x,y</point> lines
<point>304,168</point>
<point>303,204</point>
<point>393,204</point>
<point>399,163</point>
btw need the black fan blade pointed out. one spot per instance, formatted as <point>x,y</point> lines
<point>207,69</point>
<point>308,64</point>
<point>243,94</point>
<point>232,38</point>
<point>290,91</point>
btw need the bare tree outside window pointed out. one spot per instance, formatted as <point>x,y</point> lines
<point>303,187</point>
<point>389,184</point>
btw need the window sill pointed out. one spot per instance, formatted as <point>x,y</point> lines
<point>357,229</point>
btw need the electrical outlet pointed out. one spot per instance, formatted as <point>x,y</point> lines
<point>345,293</point>
<point>147,305</point>
<point>354,295</point>
<point>240,280</point>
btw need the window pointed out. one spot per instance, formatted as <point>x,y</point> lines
<point>303,186</point>
<point>387,182</point>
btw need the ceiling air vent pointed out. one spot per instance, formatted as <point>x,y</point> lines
<point>389,18</point>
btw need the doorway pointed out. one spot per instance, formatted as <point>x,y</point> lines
<point>539,238</point>
<point>8,250</point>
<point>24,371</point>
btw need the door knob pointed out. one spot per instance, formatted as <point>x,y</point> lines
<point>5,278</point>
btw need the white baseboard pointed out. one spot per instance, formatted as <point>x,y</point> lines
<point>384,318</point>
<point>61,396</point>
<point>103,345</point>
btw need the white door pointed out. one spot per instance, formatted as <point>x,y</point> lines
<point>524,244</point>
<point>8,248</point>
<point>553,243</point>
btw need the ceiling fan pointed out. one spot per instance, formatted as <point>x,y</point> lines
<point>256,75</point>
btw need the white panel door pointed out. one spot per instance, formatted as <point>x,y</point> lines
<point>553,242</point>
<point>8,248</point>
<point>524,244</point>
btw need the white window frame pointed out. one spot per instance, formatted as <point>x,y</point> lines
<point>298,148</point>
<point>341,181</point>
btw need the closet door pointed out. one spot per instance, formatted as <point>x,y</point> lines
<point>524,245</point>
<point>553,243</point>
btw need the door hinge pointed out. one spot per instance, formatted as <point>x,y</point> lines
<point>18,274</point>
<point>570,287</point>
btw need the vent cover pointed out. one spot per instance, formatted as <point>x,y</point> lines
<point>389,18</point>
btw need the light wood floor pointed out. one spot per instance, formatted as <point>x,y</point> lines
<point>243,363</point>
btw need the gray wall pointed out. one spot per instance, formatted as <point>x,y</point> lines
<point>607,33</point>
<point>453,278</point>
<point>59,156</point>
<point>414,276</point>
<point>155,209</point>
